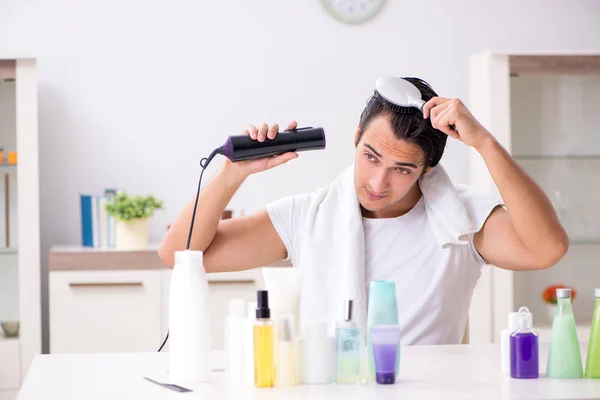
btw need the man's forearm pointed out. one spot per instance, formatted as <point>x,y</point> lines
<point>530,210</point>
<point>213,199</point>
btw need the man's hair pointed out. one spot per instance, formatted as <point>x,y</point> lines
<point>411,126</point>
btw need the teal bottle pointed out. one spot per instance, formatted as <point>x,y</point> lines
<point>382,310</point>
<point>564,356</point>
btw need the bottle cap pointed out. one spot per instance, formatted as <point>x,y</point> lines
<point>525,318</point>
<point>262,305</point>
<point>348,310</point>
<point>237,308</point>
<point>563,293</point>
<point>513,321</point>
<point>251,313</point>
<point>525,323</point>
<point>596,293</point>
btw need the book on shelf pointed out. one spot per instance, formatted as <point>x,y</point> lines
<point>97,226</point>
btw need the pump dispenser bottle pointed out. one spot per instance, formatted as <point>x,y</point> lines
<point>264,358</point>
<point>348,348</point>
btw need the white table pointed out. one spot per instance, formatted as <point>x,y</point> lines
<point>427,372</point>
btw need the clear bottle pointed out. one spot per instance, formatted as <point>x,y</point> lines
<point>264,359</point>
<point>524,349</point>
<point>564,355</point>
<point>348,348</point>
<point>592,363</point>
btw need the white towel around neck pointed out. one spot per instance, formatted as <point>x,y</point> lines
<point>332,256</point>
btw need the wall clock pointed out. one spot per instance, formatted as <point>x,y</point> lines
<point>353,11</point>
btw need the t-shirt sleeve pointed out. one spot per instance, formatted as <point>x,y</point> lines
<point>479,206</point>
<point>288,216</point>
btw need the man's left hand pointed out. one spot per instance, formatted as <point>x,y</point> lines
<point>446,113</point>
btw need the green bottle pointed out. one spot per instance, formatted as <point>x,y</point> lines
<point>592,363</point>
<point>564,356</point>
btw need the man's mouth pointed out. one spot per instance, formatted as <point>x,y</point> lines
<point>373,196</point>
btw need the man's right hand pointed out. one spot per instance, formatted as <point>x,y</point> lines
<point>262,133</point>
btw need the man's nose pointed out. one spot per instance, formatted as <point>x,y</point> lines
<point>379,182</point>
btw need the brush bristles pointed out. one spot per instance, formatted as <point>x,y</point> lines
<point>396,107</point>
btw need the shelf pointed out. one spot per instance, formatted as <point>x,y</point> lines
<point>7,165</point>
<point>584,157</point>
<point>8,251</point>
<point>578,242</point>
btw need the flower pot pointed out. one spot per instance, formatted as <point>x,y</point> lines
<point>131,235</point>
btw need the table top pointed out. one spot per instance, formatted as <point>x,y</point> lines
<point>426,372</point>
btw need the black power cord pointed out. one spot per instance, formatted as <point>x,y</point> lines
<point>203,163</point>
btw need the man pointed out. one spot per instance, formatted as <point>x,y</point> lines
<point>394,153</point>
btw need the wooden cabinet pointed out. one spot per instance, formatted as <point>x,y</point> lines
<point>105,311</point>
<point>117,301</point>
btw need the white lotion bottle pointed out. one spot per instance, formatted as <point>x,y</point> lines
<point>286,358</point>
<point>189,319</point>
<point>248,343</point>
<point>513,324</point>
<point>315,355</point>
<point>234,340</point>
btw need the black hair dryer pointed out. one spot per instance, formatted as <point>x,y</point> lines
<point>243,147</point>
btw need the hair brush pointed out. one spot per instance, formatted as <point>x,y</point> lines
<point>400,95</point>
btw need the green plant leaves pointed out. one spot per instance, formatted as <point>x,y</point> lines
<point>127,207</point>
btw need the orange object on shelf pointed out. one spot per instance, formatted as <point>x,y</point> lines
<point>1,156</point>
<point>12,157</point>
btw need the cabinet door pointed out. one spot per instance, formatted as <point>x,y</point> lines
<point>105,311</point>
<point>10,373</point>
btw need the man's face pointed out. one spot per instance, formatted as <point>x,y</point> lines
<point>385,168</point>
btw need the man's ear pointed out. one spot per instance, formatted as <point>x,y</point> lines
<point>426,171</point>
<point>356,136</point>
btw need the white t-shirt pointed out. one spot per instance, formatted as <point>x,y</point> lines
<point>434,285</point>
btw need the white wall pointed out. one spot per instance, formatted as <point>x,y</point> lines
<point>134,93</point>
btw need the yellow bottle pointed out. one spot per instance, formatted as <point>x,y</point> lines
<point>264,358</point>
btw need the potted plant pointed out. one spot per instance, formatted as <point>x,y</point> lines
<point>131,215</point>
<point>549,297</point>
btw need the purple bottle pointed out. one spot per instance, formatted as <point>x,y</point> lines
<point>524,363</point>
